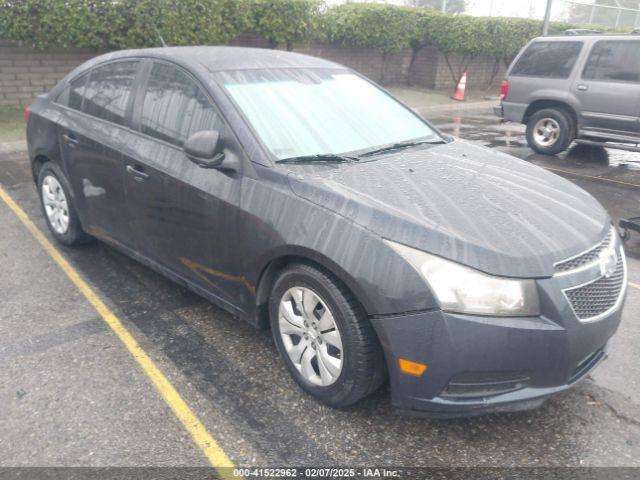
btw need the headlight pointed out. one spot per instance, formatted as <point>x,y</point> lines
<point>465,290</point>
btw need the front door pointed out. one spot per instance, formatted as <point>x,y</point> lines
<point>608,89</point>
<point>184,216</point>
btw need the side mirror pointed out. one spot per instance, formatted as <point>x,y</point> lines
<point>203,148</point>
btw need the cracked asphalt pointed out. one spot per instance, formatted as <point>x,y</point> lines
<point>71,395</point>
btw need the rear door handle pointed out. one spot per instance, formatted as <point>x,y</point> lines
<point>70,139</point>
<point>137,173</point>
<point>583,88</point>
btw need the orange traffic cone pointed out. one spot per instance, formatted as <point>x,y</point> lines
<point>458,94</point>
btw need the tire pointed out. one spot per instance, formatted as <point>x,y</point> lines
<point>64,223</point>
<point>551,123</point>
<point>362,366</point>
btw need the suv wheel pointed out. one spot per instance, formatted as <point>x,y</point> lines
<point>550,131</point>
<point>324,336</point>
<point>58,207</point>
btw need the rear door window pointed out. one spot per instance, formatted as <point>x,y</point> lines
<point>175,107</point>
<point>611,60</point>
<point>108,91</point>
<point>548,59</point>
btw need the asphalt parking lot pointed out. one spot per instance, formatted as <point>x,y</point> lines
<point>72,394</point>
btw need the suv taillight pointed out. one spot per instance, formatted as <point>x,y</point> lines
<point>504,88</point>
<point>27,113</point>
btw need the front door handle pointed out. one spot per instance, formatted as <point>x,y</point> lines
<point>137,173</point>
<point>583,88</point>
<point>70,139</point>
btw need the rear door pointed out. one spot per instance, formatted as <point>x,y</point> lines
<point>184,216</point>
<point>543,71</point>
<point>91,140</point>
<point>608,89</point>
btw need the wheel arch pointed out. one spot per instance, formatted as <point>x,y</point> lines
<point>277,263</point>
<point>36,165</point>
<point>538,105</point>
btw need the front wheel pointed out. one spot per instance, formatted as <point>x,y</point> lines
<point>550,131</point>
<point>324,337</point>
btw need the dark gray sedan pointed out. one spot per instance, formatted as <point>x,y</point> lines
<point>301,197</point>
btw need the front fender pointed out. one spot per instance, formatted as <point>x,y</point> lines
<point>286,225</point>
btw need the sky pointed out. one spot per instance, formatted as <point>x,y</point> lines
<point>506,8</point>
<point>489,7</point>
<point>510,8</point>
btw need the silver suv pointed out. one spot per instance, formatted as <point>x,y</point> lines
<point>583,88</point>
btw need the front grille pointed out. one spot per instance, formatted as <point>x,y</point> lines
<point>590,256</point>
<point>598,297</point>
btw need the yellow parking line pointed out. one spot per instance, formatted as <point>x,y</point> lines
<point>634,285</point>
<point>190,421</point>
<point>592,177</point>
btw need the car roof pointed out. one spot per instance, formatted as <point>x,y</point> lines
<point>215,59</point>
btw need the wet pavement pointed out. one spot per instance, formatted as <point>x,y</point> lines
<point>72,396</point>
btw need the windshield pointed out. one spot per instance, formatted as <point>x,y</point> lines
<point>298,112</point>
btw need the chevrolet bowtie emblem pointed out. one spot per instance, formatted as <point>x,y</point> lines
<point>608,259</point>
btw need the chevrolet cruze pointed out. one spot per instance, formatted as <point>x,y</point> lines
<point>303,198</point>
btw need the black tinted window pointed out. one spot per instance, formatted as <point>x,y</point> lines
<point>613,60</point>
<point>108,90</point>
<point>72,95</point>
<point>174,107</point>
<point>548,59</point>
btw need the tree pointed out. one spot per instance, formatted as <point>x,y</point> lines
<point>387,28</point>
<point>284,21</point>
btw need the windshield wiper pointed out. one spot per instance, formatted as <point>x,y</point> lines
<point>320,157</point>
<point>400,146</point>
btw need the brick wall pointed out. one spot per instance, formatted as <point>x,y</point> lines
<point>367,61</point>
<point>25,73</point>
<point>429,69</point>
<point>482,71</point>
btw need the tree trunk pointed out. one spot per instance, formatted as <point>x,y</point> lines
<point>384,66</point>
<point>494,72</point>
<point>414,55</point>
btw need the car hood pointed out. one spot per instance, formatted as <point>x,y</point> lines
<point>479,207</point>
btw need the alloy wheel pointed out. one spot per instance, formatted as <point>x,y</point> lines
<point>55,204</point>
<point>546,132</point>
<point>310,336</point>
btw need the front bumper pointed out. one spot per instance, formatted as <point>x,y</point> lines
<point>512,363</point>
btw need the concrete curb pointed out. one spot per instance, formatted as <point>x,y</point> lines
<point>458,107</point>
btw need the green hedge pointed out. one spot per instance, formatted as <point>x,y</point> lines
<point>114,24</point>
<point>283,22</point>
<point>117,24</point>
<point>388,28</point>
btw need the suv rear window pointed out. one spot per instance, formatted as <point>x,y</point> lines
<point>548,59</point>
<point>613,61</point>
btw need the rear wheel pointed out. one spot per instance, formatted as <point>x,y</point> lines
<point>550,131</point>
<point>58,207</point>
<point>324,336</point>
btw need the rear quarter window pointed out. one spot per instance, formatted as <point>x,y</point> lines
<point>548,59</point>
<point>616,61</point>
<point>73,93</point>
